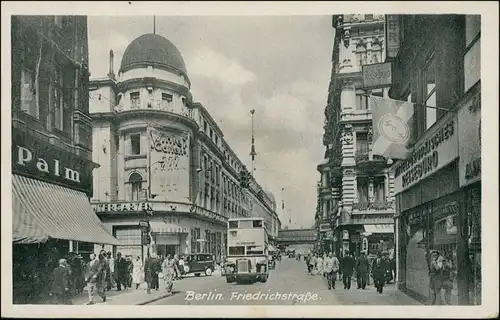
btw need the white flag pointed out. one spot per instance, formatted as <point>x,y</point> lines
<point>392,124</point>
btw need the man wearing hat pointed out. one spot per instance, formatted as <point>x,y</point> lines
<point>60,285</point>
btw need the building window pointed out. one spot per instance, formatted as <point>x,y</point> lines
<point>217,175</point>
<point>135,144</point>
<point>362,189</point>
<point>472,59</point>
<point>166,100</point>
<point>379,189</point>
<point>368,17</point>
<point>361,102</point>
<point>472,28</point>
<point>430,92</point>
<point>58,102</point>
<point>134,100</point>
<point>216,139</point>
<point>135,181</point>
<point>361,143</point>
<point>130,240</point>
<point>211,133</point>
<point>28,96</point>
<point>361,55</point>
<point>204,126</point>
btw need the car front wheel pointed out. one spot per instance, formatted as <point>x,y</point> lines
<point>208,272</point>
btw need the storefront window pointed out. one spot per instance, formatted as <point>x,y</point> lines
<point>430,92</point>
<point>130,240</point>
<point>444,240</point>
<point>473,207</point>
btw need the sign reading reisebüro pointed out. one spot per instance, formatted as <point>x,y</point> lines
<point>438,149</point>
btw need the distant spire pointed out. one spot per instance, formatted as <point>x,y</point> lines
<point>111,72</point>
<point>154,24</point>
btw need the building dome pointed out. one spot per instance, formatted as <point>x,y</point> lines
<point>153,49</point>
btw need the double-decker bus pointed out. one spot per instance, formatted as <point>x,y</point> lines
<point>247,254</point>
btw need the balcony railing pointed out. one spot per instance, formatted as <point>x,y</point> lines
<point>373,206</point>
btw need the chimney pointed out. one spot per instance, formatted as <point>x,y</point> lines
<point>111,72</point>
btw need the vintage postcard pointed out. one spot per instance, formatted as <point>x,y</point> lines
<point>249,159</point>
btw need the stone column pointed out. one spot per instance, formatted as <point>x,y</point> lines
<point>370,142</point>
<point>348,96</point>
<point>324,208</point>
<point>355,187</point>
<point>348,140</point>
<point>371,197</point>
<point>386,187</point>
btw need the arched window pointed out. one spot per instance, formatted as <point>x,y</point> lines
<point>135,181</point>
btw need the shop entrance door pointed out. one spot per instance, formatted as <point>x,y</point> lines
<point>165,249</point>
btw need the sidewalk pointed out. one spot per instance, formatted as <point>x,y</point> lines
<point>370,296</point>
<point>130,296</point>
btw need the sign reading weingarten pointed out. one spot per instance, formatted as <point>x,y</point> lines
<point>122,207</point>
<point>438,149</point>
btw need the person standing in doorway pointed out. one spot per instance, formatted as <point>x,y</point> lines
<point>378,272</point>
<point>362,267</point>
<point>347,269</point>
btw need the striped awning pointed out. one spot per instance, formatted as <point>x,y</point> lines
<point>42,210</point>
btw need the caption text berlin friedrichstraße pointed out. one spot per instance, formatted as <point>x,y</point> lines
<point>248,296</point>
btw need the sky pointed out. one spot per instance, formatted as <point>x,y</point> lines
<point>278,65</point>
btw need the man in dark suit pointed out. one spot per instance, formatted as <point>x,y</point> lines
<point>61,283</point>
<point>347,266</point>
<point>378,272</point>
<point>362,267</point>
<point>121,267</point>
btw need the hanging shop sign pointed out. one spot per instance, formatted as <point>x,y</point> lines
<point>324,227</point>
<point>377,75</point>
<point>43,160</point>
<point>469,137</point>
<point>436,149</point>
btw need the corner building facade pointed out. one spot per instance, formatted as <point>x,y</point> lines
<point>356,192</point>
<point>164,159</point>
<point>436,62</point>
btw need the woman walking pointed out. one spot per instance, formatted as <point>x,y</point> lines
<point>169,269</point>
<point>319,265</point>
<point>138,272</point>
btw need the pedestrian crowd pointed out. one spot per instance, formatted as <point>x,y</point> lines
<point>347,266</point>
<point>103,272</point>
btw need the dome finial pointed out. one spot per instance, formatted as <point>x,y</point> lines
<point>154,24</point>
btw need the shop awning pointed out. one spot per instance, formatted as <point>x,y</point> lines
<point>43,210</point>
<point>379,228</point>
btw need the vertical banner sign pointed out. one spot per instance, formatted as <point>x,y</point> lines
<point>392,36</point>
<point>169,161</point>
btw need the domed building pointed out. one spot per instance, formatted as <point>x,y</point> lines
<point>162,157</point>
